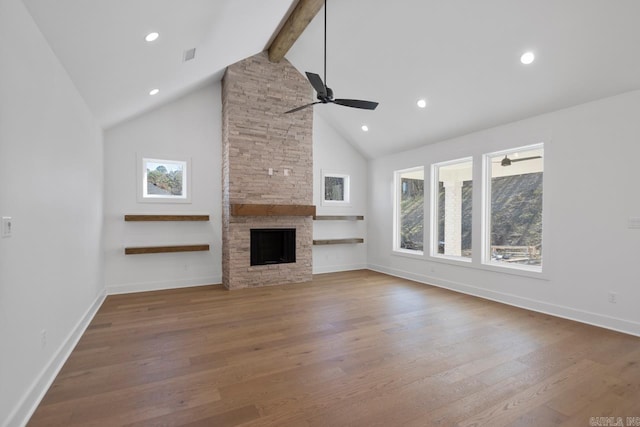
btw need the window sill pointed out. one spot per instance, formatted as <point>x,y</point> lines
<point>451,259</point>
<point>408,253</point>
<point>531,272</point>
<point>502,269</point>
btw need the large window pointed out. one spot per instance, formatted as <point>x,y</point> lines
<point>513,208</point>
<point>451,209</point>
<point>409,210</point>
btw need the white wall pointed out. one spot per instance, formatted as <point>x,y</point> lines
<point>191,126</point>
<point>187,127</point>
<point>591,190</point>
<point>331,152</point>
<point>51,185</point>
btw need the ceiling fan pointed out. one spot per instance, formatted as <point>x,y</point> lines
<point>507,161</point>
<point>324,93</point>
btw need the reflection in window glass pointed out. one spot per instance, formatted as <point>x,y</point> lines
<point>453,208</point>
<point>516,207</point>
<point>410,209</point>
<point>334,188</point>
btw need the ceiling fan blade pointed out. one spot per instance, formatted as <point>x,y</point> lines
<point>356,103</point>
<point>526,158</point>
<point>317,84</point>
<point>302,107</point>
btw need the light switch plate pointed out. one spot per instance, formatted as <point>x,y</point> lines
<point>634,222</point>
<point>6,226</point>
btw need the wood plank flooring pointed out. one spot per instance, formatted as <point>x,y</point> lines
<point>349,349</point>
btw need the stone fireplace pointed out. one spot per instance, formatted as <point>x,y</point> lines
<point>267,169</point>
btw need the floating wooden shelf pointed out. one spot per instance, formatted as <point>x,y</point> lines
<point>166,217</point>
<point>337,241</point>
<point>272,210</point>
<point>164,249</point>
<point>338,217</point>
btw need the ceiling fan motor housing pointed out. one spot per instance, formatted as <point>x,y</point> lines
<point>328,97</point>
<point>324,93</point>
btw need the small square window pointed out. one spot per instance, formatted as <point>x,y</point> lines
<point>165,181</point>
<point>335,189</point>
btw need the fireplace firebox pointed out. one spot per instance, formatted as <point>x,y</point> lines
<point>273,246</point>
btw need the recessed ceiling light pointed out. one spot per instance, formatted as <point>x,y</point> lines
<point>527,58</point>
<point>154,91</point>
<point>365,128</point>
<point>151,36</point>
<point>422,103</point>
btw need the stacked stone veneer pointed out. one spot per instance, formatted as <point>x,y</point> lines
<point>257,135</point>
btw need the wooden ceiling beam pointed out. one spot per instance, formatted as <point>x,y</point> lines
<point>293,27</point>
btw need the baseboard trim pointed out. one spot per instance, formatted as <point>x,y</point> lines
<point>29,403</point>
<point>338,268</point>
<point>590,318</point>
<point>128,288</point>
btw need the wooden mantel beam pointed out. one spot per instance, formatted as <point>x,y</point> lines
<point>293,27</point>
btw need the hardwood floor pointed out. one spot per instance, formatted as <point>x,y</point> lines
<point>349,349</point>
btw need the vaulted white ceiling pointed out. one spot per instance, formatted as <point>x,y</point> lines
<point>461,55</point>
<point>101,44</point>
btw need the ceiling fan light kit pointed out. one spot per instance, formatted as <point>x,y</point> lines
<point>507,161</point>
<point>324,93</point>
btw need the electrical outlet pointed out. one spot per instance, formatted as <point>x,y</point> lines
<point>43,338</point>
<point>613,297</point>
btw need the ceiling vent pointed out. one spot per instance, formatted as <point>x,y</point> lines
<point>189,54</point>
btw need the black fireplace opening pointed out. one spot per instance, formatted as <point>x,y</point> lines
<point>273,246</point>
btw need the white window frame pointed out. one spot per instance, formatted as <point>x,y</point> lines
<point>145,197</point>
<point>397,196</point>
<point>347,189</point>
<point>435,189</point>
<point>486,210</point>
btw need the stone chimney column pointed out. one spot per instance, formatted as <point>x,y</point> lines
<point>267,159</point>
